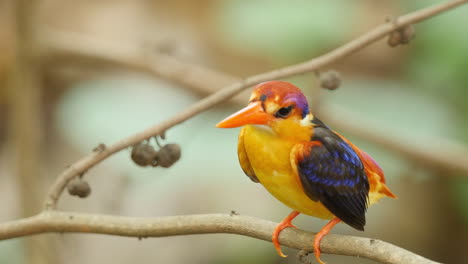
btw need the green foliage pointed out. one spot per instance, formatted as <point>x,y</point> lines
<point>11,252</point>
<point>283,31</point>
<point>438,63</point>
<point>459,188</point>
<point>395,104</point>
<point>439,59</point>
<point>407,113</point>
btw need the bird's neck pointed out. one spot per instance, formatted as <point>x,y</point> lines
<point>294,129</point>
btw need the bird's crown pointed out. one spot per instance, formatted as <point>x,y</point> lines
<point>279,94</point>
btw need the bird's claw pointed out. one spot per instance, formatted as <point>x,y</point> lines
<point>318,237</point>
<point>275,237</point>
<point>317,255</point>
<point>280,227</point>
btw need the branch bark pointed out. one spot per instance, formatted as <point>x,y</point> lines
<point>347,49</point>
<point>69,222</point>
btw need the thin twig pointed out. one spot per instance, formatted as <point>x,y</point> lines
<point>68,222</point>
<point>353,46</point>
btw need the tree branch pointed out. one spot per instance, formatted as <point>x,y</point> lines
<point>68,222</point>
<point>353,46</point>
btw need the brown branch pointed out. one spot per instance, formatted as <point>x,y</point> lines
<point>67,222</point>
<point>353,46</point>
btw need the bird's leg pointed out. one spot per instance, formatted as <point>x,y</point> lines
<point>318,237</point>
<point>284,224</point>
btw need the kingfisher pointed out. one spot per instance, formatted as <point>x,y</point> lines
<point>302,162</point>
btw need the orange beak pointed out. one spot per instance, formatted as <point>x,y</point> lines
<point>252,114</point>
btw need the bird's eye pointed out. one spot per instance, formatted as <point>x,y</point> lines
<point>284,112</point>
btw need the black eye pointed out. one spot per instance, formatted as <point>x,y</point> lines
<point>284,112</point>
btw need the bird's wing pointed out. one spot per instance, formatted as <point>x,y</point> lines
<point>331,172</point>
<point>243,159</point>
<point>373,171</point>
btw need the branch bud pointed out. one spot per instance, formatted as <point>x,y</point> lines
<point>79,187</point>
<point>330,80</point>
<point>168,155</point>
<point>143,154</point>
<point>401,36</point>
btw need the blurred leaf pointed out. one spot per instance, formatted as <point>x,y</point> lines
<point>460,195</point>
<point>11,251</point>
<point>410,115</point>
<point>439,54</point>
<point>109,109</point>
<point>282,30</point>
<point>394,104</point>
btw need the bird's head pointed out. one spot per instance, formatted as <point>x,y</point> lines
<point>275,104</point>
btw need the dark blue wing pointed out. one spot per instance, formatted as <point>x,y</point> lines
<point>331,172</point>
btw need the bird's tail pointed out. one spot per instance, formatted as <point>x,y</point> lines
<point>375,175</point>
<point>378,188</point>
<point>385,190</point>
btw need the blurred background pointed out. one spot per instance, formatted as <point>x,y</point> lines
<point>77,73</point>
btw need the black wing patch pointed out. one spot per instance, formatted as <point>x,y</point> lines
<point>331,172</point>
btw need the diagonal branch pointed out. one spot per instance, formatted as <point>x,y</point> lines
<point>68,222</point>
<point>347,49</point>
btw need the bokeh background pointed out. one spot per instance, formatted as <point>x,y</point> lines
<point>62,93</point>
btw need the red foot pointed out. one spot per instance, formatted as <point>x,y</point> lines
<point>284,224</point>
<point>318,237</point>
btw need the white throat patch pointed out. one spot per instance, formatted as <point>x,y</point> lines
<point>305,122</point>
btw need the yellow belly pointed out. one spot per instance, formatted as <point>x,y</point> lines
<point>269,157</point>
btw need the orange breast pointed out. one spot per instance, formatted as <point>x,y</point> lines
<point>269,157</point>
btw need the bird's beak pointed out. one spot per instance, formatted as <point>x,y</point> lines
<point>252,114</point>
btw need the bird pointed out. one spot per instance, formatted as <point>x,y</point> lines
<point>304,163</point>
